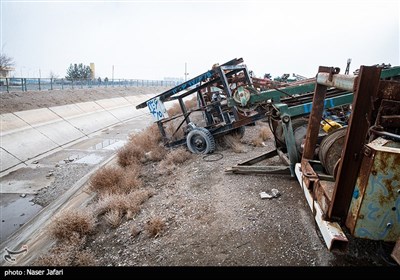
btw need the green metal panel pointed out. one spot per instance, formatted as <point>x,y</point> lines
<point>305,109</point>
<point>387,73</point>
<point>275,94</point>
<point>375,207</point>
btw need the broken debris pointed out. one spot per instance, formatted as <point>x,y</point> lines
<point>274,193</point>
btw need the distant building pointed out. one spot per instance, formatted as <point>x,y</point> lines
<point>92,68</point>
<point>6,71</point>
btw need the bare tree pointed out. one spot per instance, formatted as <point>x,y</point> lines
<point>6,61</point>
<point>53,75</point>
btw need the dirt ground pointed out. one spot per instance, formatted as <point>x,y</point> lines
<point>21,101</point>
<point>212,218</point>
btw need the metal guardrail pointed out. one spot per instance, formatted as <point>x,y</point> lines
<point>28,84</point>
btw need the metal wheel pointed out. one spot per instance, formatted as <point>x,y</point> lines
<point>296,123</point>
<point>331,148</point>
<point>200,141</point>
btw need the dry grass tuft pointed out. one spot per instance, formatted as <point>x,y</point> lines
<point>72,222</point>
<point>142,147</point>
<point>258,142</point>
<point>176,156</point>
<point>130,179</point>
<point>171,127</point>
<point>106,179</point>
<point>264,133</point>
<point>234,143</point>
<point>191,103</point>
<point>174,110</point>
<point>130,154</point>
<point>128,204</point>
<point>116,179</point>
<point>110,201</point>
<point>84,258</point>
<point>139,196</point>
<point>68,253</point>
<point>155,226</point>
<point>113,218</point>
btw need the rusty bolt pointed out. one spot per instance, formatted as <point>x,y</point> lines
<point>374,172</point>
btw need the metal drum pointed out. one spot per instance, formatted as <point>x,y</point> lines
<point>331,148</point>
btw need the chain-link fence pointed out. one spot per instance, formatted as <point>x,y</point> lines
<point>27,84</point>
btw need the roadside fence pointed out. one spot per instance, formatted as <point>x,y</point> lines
<point>29,84</point>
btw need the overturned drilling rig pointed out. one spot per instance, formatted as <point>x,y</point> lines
<point>338,134</point>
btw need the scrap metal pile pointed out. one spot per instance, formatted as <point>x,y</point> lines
<point>338,134</point>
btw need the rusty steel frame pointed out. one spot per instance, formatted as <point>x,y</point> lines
<point>360,121</point>
<point>331,201</point>
<point>332,233</point>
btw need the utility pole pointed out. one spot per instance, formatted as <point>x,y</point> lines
<point>346,72</point>
<point>186,73</point>
<point>112,74</point>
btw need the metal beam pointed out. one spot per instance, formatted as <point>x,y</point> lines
<point>315,117</point>
<point>332,233</point>
<point>367,90</point>
<point>191,82</point>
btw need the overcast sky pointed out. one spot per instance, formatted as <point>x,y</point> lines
<point>154,39</point>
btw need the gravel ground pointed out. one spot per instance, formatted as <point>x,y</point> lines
<point>218,219</point>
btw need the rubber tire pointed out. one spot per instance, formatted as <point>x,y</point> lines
<point>200,141</point>
<point>239,132</point>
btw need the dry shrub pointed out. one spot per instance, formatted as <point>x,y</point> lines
<point>116,179</point>
<point>264,133</point>
<point>106,179</point>
<point>177,156</point>
<point>174,110</point>
<point>68,253</point>
<point>234,143</point>
<point>72,222</point>
<point>171,127</point>
<point>156,154</point>
<point>110,201</point>
<point>123,203</point>
<point>258,142</point>
<point>155,226</point>
<point>191,103</point>
<point>130,179</point>
<point>139,196</point>
<point>84,258</point>
<point>130,154</point>
<point>142,147</point>
<point>113,218</point>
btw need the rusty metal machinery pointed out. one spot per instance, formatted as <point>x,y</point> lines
<point>349,175</point>
<point>361,189</point>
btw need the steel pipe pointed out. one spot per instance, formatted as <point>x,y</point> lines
<point>344,82</point>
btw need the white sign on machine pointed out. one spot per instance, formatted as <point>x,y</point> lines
<point>157,109</point>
